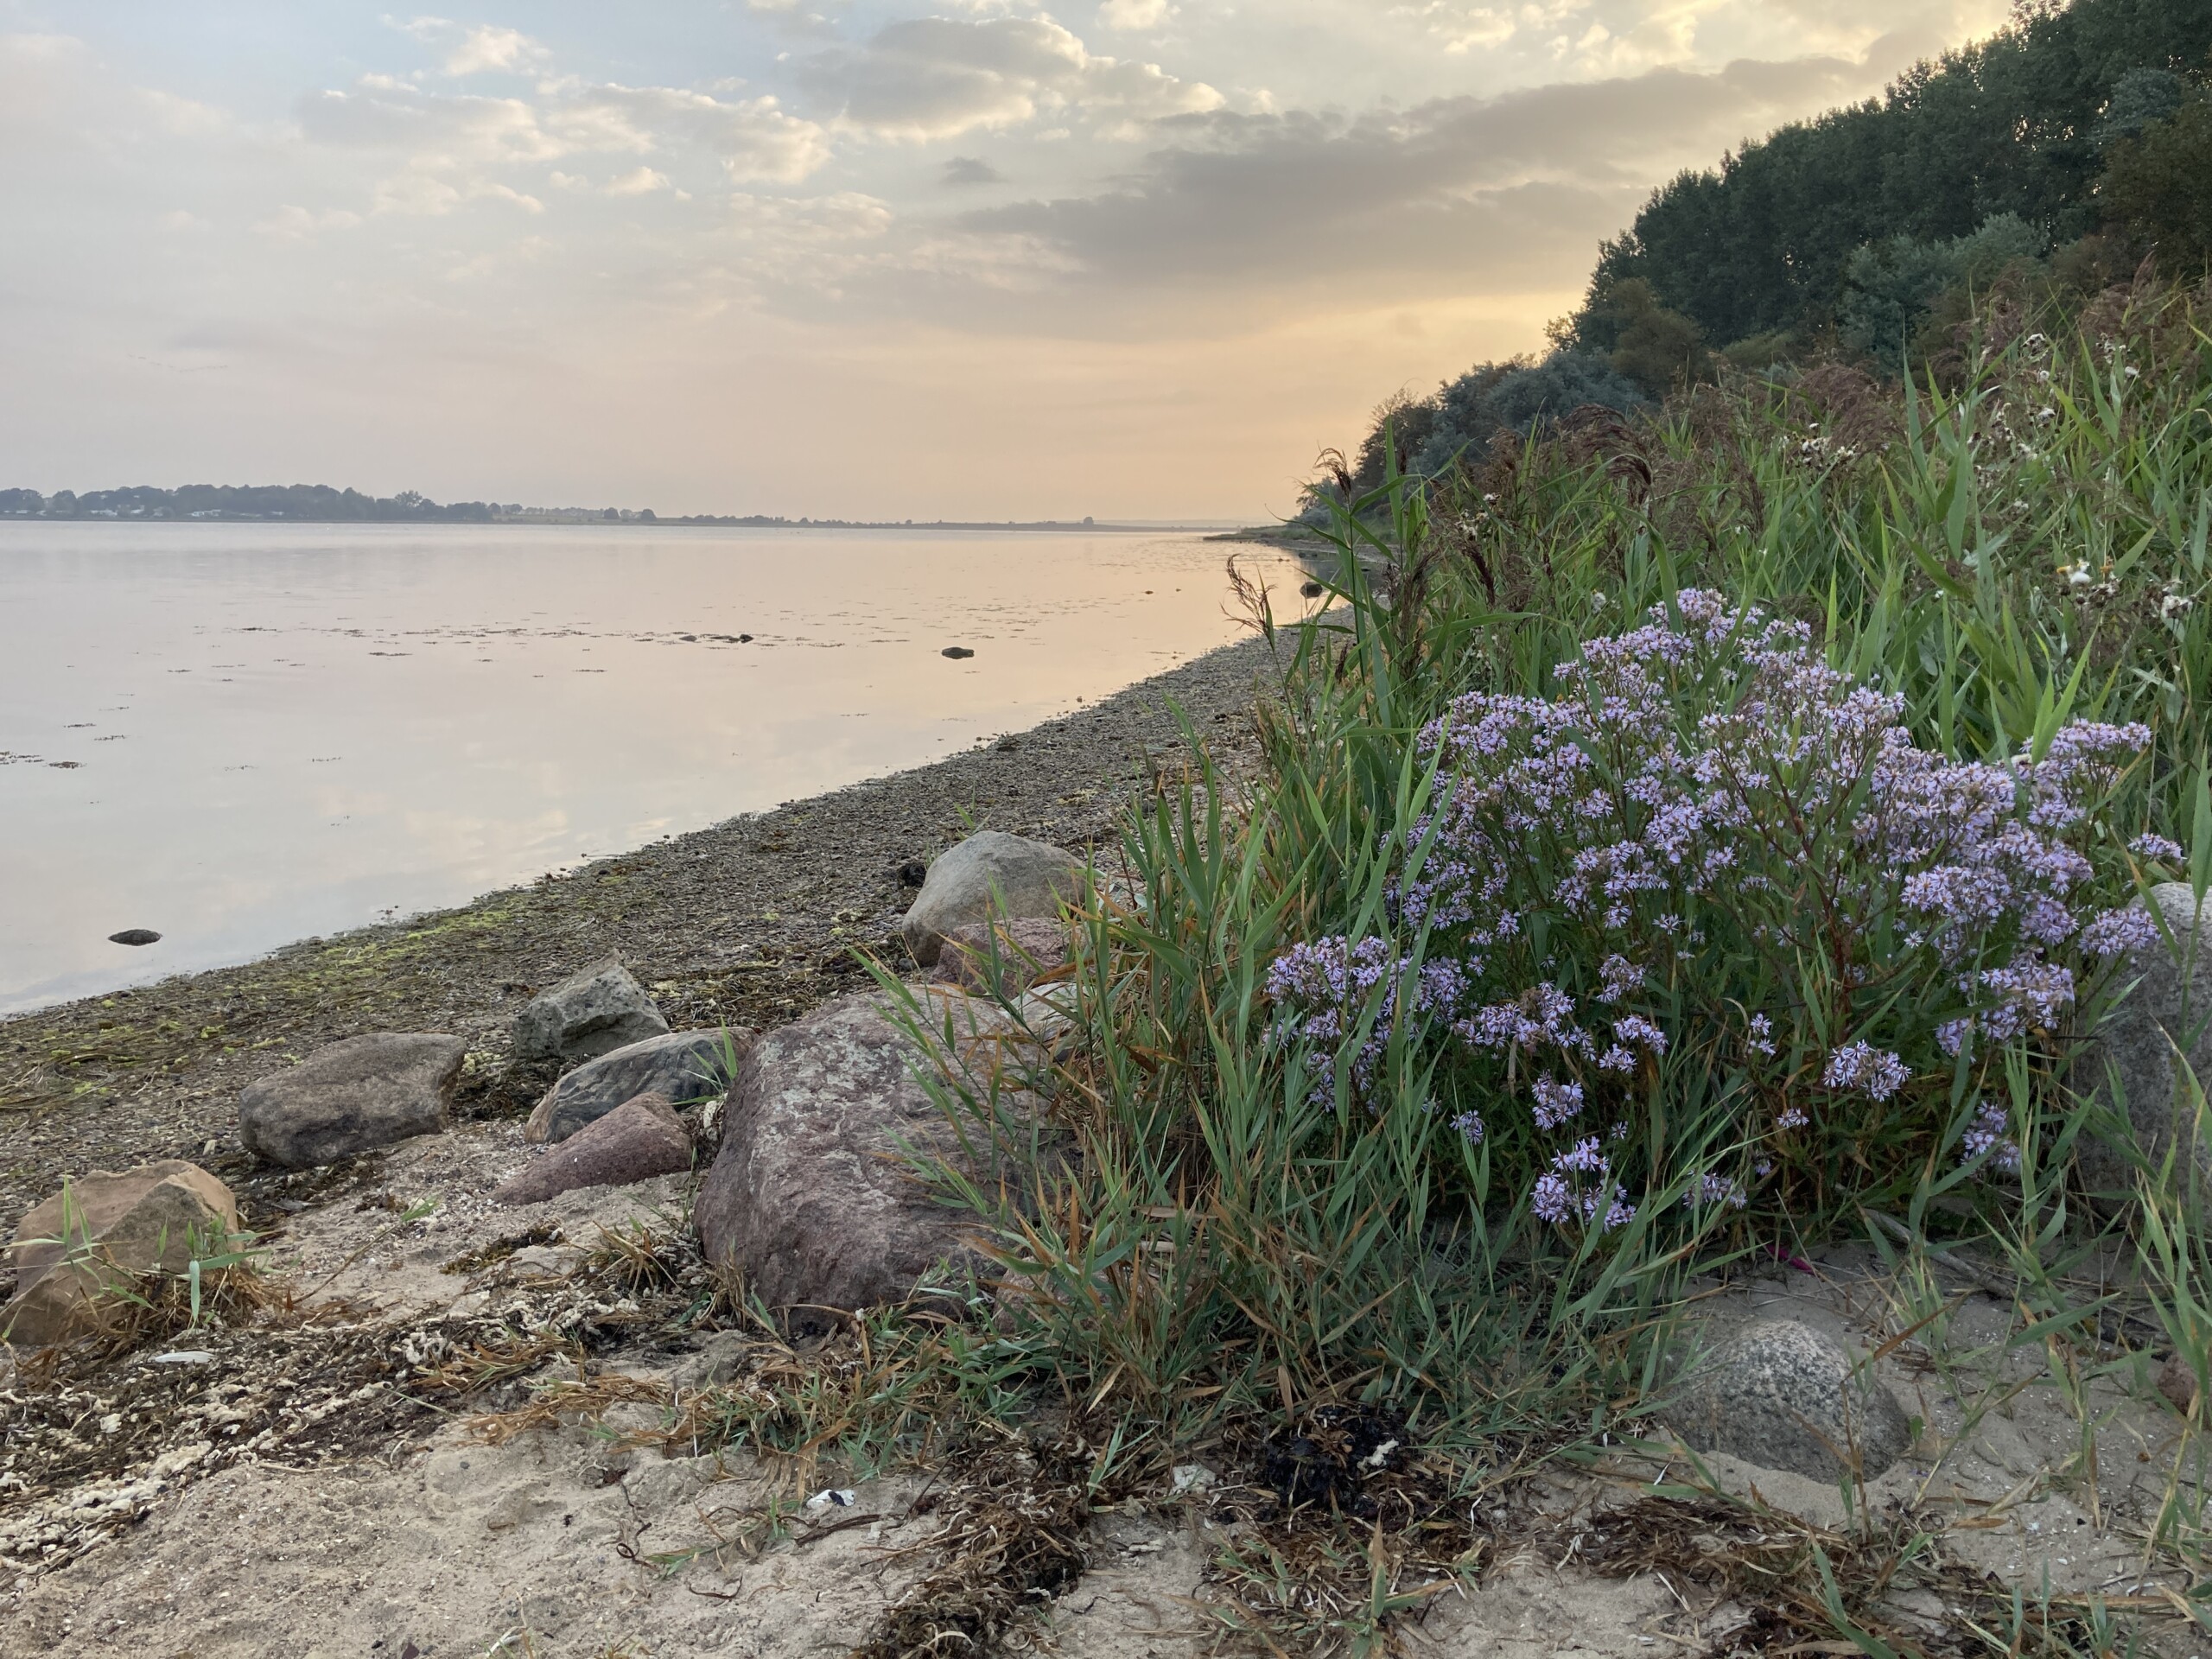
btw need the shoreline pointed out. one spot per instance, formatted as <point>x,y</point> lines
<point>750,921</point>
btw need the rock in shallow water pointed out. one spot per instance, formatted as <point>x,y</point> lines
<point>364,1092</point>
<point>681,1068</point>
<point>98,1232</point>
<point>134,936</point>
<point>991,874</point>
<point>591,1013</point>
<point>637,1140</point>
<point>1783,1395</point>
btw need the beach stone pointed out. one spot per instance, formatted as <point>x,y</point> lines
<point>134,936</point>
<point>682,1067</point>
<point>811,1198</point>
<point>1781,1396</point>
<point>2169,1007</point>
<point>637,1140</point>
<point>592,1012</point>
<point>364,1092</point>
<point>991,874</point>
<point>98,1231</point>
<point>1028,949</point>
<point>2177,1381</point>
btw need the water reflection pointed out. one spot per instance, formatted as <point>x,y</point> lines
<point>241,734</point>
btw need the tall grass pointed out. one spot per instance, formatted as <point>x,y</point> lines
<point>1277,1205</point>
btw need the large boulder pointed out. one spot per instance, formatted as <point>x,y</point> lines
<point>1783,1395</point>
<point>637,1140</point>
<point>2169,1009</point>
<point>589,1014</point>
<point>73,1252</point>
<point>991,875</point>
<point>1001,959</point>
<point>811,1197</point>
<point>351,1097</point>
<point>681,1068</point>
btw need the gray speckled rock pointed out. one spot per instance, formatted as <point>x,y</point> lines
<point>809,1197</point>
<point>990,874</point>
<point>1781,1396</point>
<point>2169,1008</point>
<point>364,1092</point>
<point>1001,959</point>
<point>588,1014</point>
<point>682,1067</point>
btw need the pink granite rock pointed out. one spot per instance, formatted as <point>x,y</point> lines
<point>638,1139</point>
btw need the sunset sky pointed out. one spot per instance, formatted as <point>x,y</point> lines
<point>1136,258</point>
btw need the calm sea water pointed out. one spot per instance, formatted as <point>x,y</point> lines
<point>240,735</point>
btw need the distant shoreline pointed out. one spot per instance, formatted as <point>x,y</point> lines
<point>1213,529</point>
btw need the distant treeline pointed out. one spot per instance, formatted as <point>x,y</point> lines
<point>2053,158</point>
<point>318,503</point>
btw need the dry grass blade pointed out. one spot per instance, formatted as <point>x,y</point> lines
<point>1012,1540</point>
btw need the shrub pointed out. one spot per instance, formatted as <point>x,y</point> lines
<point>1710,847</point>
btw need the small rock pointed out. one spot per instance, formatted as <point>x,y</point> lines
<point>832,1497</point>
<point>810,1195</point>
<point>991,875</point>
<point>2177,1381</point>
<point>637,1140</point>
<point>956,653</point>
<point>681,1068</point>
<point>2136,1044</point>
<point>720,1356</point>
<point>1783,1395</point>
<point>75,1249</point>
<point>364,1092</point>
<point>1192,1477</point>
<point>591,1013</point>
<point>1008,744</point>
<point>912,873</point>
<point>1310,589</point>
<point>1025,950</point>
<point>134,936</point>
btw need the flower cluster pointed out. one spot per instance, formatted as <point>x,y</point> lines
<point>1989,1136</point>
<point>1708,807</point>
<point>1579,1189</point>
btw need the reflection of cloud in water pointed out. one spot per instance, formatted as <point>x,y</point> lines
<point>342,763</point>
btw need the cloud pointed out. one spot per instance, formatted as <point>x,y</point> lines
<point>486,47</point>
<point>970,169</point>
<point>291,223</point>
<point>459,147</point>
<point>1475,193</point>
<point>642,182</point>
<point>939,77</point>
<point>1133,14</point>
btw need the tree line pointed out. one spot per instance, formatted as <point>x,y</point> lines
<point>2055,156</point>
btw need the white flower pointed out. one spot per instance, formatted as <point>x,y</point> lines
<point>2080,576</point>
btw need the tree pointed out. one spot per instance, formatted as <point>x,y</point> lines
<point>2158,186</point>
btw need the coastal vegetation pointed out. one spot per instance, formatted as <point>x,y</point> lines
<point>1698,839</point>
<point>2044,164</point>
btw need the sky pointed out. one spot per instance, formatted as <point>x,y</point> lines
<point>978,258</point>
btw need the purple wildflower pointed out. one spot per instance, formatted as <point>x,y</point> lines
<point>1555,1102</point>
<point>1861,1065</point>
<point>1988,1137</point>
